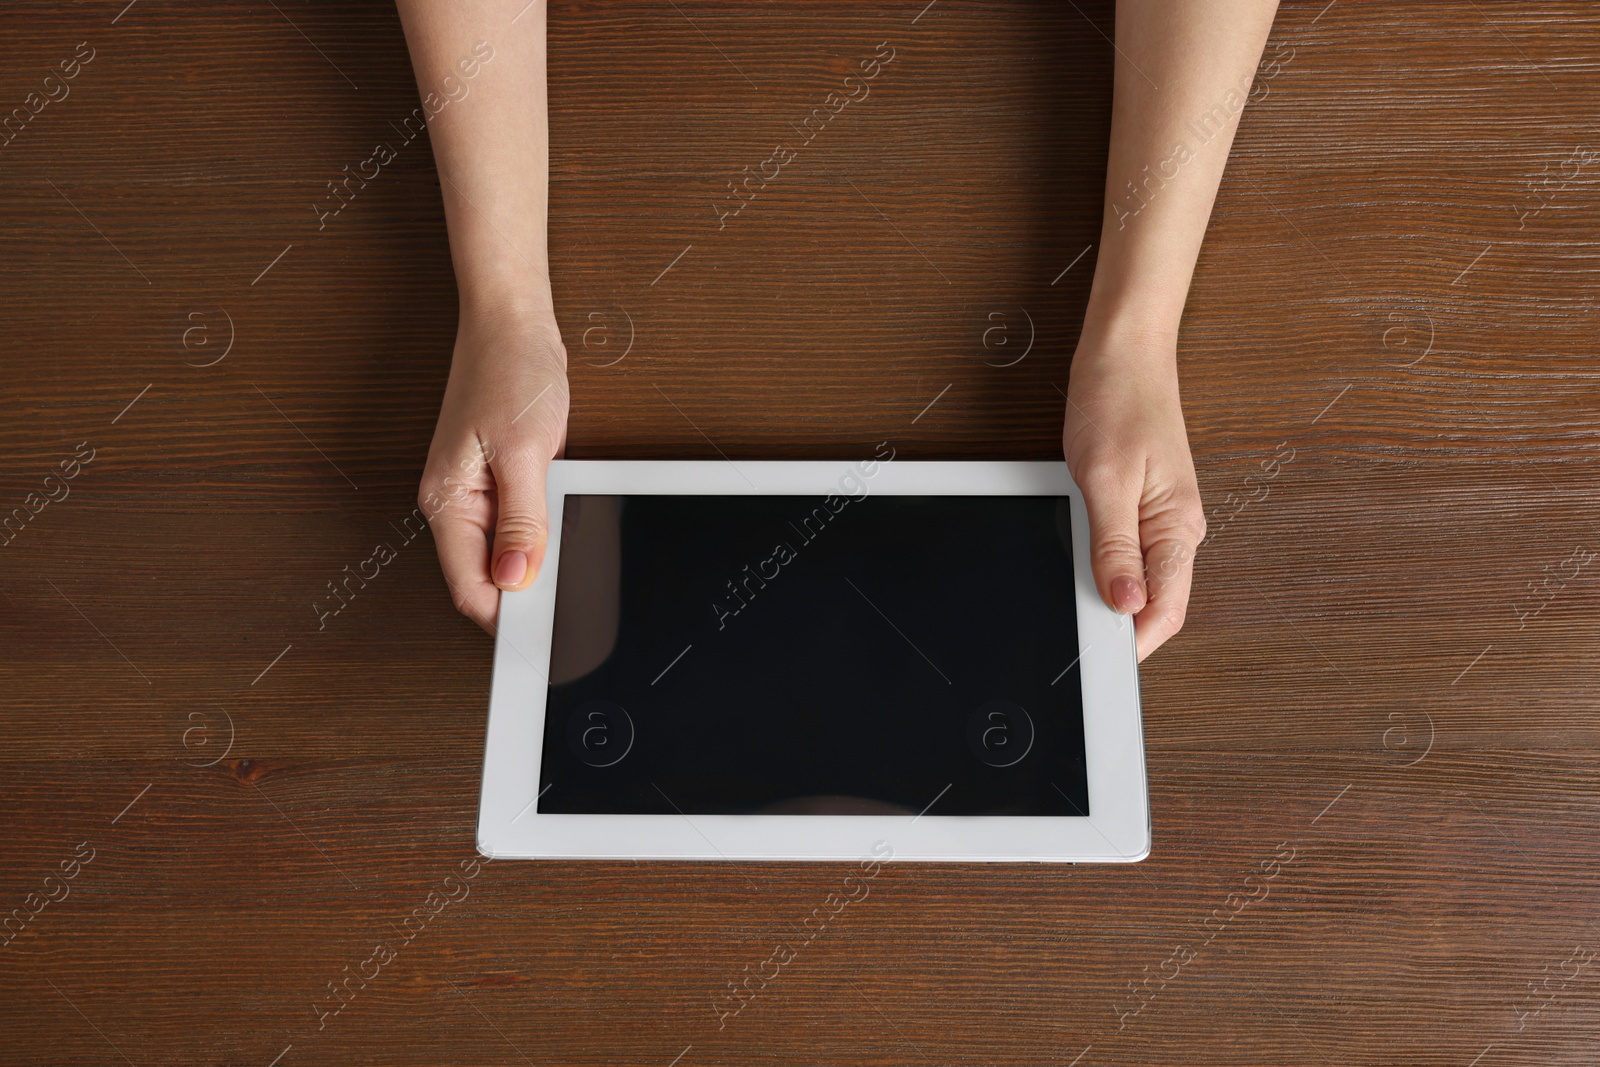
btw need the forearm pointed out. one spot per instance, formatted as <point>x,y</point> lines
<point>491,143</point>
<point>1183,73</point>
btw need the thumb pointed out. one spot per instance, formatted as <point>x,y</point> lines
<point>521,531</point>
<point>1112,500</point>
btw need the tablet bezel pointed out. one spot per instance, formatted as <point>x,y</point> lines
<point>1117,830</point>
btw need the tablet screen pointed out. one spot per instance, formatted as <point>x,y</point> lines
<point>781,655</point>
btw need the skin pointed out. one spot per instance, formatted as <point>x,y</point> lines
<point>504,415</point>
<point>1124,436</point>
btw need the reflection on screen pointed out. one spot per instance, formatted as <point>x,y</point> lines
<point>797,655</point>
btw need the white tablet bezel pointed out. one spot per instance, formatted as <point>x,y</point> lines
<point>509,827</point>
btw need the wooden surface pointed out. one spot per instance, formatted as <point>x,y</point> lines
<point>1364,704</point>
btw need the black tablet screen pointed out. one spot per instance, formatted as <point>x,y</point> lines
<point>876,654</point>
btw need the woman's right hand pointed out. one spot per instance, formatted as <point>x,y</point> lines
<point>504,415</point>
<point>504,418</point>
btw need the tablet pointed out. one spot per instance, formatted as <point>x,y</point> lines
<point>750,660</point>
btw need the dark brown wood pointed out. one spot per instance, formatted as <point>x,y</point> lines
<point>1364,702</point>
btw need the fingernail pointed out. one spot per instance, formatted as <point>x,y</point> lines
<point>509,569</point>
<point>1126,594</point>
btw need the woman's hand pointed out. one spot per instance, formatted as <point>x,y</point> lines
<point>504,415</point>
<point>504,418</point>
<point>1127,450</point>
<point>1124,435</point>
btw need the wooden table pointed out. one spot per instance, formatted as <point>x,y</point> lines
<point>1372,750</point>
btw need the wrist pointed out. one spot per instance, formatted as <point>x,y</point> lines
<point>518,312</point>
<point>1128,343</point>
<point>516,297</point>
<point>1132,313</point>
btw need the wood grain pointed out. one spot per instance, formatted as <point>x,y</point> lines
<point>1362,682</point>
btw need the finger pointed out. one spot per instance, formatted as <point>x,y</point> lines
<point>1111,494</point>
<point>460,532</point>
<point>521,532</point>
<point>1169,576</point>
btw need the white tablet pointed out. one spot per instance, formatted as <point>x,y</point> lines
<point>814,661</point>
